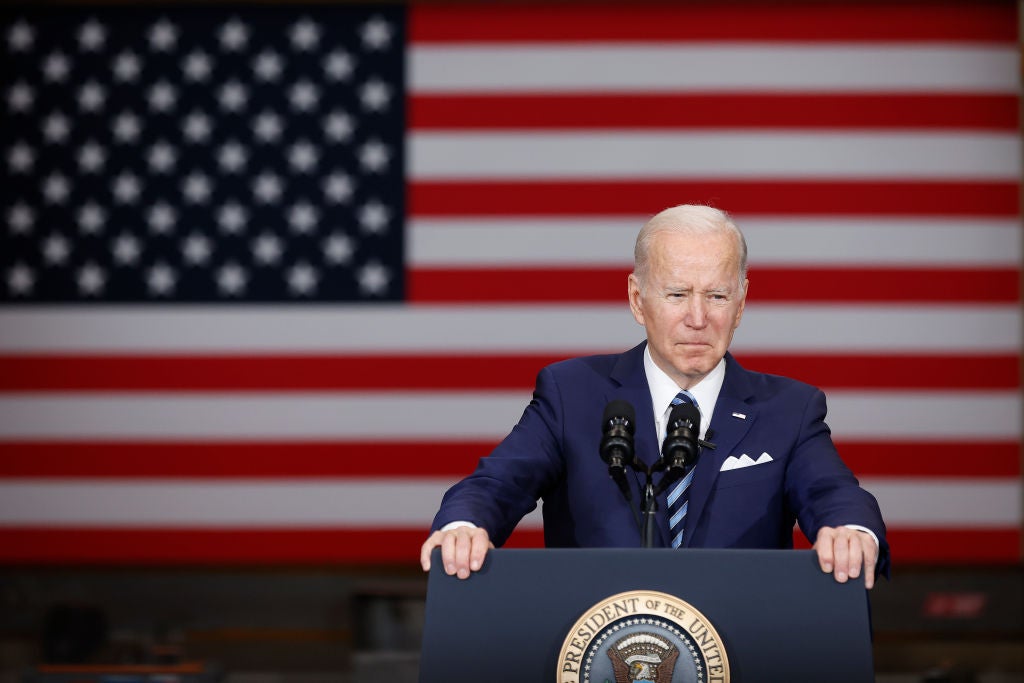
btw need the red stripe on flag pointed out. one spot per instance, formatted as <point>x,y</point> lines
<point>800,21</point>
<point>220,460</point>
<point>367,546</point>
<point>593,285</point>
<point>919,460</point>
<point>885,285</point>
<point>437,459</point>
<point>673,111</point>
<point>200,546</point>
<point>269,373</point>
<point>762,197</point>
<point>470,372</point>
<point>516,285</point>
<point>891,371</point>
<point>972,546</point>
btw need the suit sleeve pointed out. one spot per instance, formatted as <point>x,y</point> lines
<point>507,483</point>
<point>821,489</point>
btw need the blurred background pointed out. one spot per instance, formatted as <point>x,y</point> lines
<point>274,275</point>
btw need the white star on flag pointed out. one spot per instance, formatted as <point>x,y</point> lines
<point>20,218</point>
<point>127,66</point>
<point>126,250</point>
<point>92,36</point>
<point>56,67</point>
<point>56,250</point>
<point>20,279</point>
<point>234,35</point>
<point>21,36</point>
<point>163,36</point>
<point>305,35</point>
<point>197,66</point>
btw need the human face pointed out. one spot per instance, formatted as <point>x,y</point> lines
<point>690,303</point>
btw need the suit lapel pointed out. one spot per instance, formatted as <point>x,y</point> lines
<point>728,429</point>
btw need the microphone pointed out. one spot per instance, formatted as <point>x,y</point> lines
<point>618,426</point>
<point>680,449</point>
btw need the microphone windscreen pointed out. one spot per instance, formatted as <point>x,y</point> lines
<point>684,412</point>
<point>621,411</point>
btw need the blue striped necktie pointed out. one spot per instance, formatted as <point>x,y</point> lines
<point>678,500</point>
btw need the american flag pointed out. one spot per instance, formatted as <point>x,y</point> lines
<point>274,277</point>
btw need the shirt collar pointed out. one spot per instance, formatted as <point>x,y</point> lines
<point>664,389</point>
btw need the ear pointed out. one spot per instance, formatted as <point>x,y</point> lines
<point>635,301</point>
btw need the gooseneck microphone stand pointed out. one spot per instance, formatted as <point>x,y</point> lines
<point>679,455</point>
<point>650,510</point>
<point>675,469</point>
<point>649,502</point>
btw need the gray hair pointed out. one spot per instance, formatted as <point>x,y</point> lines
<point>692,219</point>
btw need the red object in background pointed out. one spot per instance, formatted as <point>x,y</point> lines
<point>969,605</point>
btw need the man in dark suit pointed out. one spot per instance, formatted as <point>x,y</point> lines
<point>774,464</point>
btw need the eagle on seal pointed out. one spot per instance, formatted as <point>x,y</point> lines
<point>643,657</point>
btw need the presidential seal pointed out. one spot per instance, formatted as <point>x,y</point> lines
<point>643,636</point>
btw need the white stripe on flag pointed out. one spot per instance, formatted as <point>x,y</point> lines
<point>721,67</point>
<point>155,502</point>
<point>493,328</point>
<point>384,503</point>
<point>888,329</point>
<point>925,503</point>
<point>823,241</point>
<point>399,415</point>
<point>738,154</point>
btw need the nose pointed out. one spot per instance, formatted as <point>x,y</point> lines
<point>696,313</point>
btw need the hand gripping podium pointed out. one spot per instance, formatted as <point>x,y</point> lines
<point>668,616</point>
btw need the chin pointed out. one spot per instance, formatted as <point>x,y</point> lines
<point>692,370</point>
<point>696,356</point>
<point>696,367</point>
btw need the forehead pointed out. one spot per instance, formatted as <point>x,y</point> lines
<point>695,256</point>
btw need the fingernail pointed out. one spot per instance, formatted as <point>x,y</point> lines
<point>474,565</point>
<point>841,576</point>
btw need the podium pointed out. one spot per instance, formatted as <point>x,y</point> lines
<point>604,615</point>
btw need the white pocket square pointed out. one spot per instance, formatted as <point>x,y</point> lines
<point>734,463</point>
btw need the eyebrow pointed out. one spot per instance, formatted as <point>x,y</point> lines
<point>724,289</point>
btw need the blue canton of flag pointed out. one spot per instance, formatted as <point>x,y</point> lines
<point>201,155</point>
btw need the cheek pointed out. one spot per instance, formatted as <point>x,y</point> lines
<point>726,324</point>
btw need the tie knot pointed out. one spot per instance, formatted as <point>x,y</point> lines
<point>685,396</point>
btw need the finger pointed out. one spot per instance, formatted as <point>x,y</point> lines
<point>448,543</point>
<point>478,550</point>
<point>823,545</point>
<point>463,546</point>
<point>856,553</point>
<point>841,550</point>
<point>432,542</point>
<point>870,560</point>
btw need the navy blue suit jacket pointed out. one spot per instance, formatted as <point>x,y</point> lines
<point>552,455</point>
